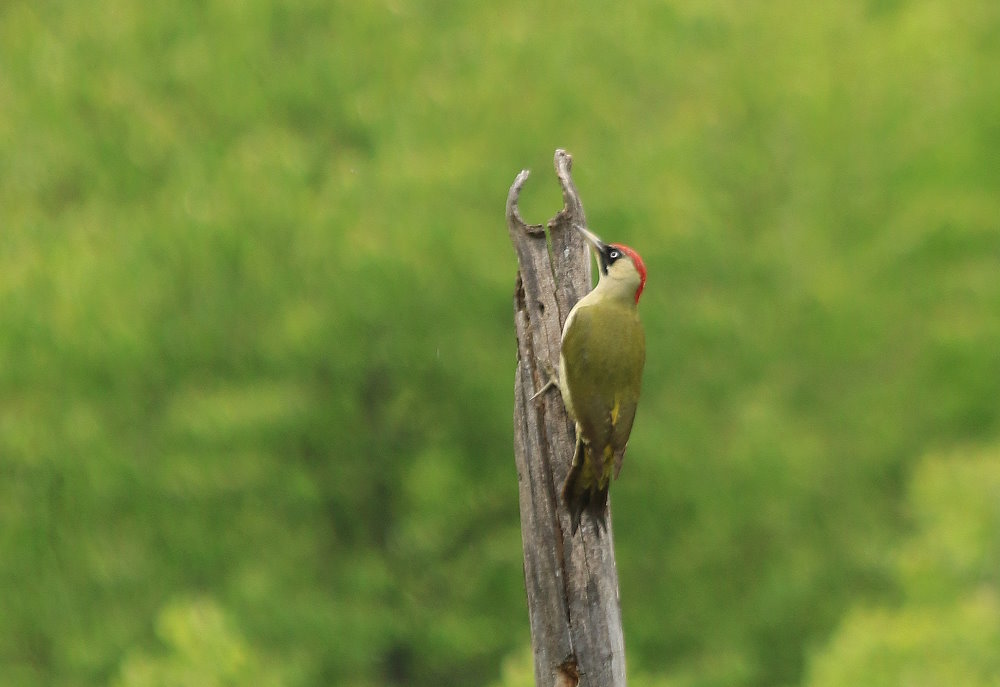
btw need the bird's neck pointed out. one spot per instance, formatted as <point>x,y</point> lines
<point>612,290</point>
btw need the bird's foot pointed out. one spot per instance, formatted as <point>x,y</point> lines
<point>552,380</point>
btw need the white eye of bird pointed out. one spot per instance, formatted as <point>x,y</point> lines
<point>613,254</point>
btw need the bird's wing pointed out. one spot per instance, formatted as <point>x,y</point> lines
<point>605,376</point>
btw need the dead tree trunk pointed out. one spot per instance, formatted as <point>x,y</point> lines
<point>572,583</point>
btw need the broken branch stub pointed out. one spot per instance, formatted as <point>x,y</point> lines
<point>571,581</point>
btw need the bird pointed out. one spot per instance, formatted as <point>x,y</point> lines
<point>601,358</point>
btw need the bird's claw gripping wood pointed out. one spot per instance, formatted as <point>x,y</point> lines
<point>551,381</point>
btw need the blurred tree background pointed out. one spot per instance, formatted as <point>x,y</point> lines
<point>256,349</point>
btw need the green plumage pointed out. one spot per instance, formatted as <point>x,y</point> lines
<point>603,353</point>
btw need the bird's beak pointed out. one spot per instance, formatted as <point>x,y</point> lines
<point>600,248</point>
<point>592,238</point>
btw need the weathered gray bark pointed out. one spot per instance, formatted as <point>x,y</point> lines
<point>572,583</point>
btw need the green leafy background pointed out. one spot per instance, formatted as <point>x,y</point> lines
<point>257,353</point>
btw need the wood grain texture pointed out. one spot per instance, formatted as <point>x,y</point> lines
<point>571,581</point>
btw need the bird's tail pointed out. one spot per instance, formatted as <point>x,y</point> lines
<point>583,492</point>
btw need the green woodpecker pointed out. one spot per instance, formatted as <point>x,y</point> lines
<point>600,373</point>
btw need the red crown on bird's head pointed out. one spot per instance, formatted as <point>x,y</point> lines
<point>640,266</point>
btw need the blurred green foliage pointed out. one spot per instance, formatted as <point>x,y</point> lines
<point>204,651</point>
<point>256,350</point>
<point>945,629</point>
